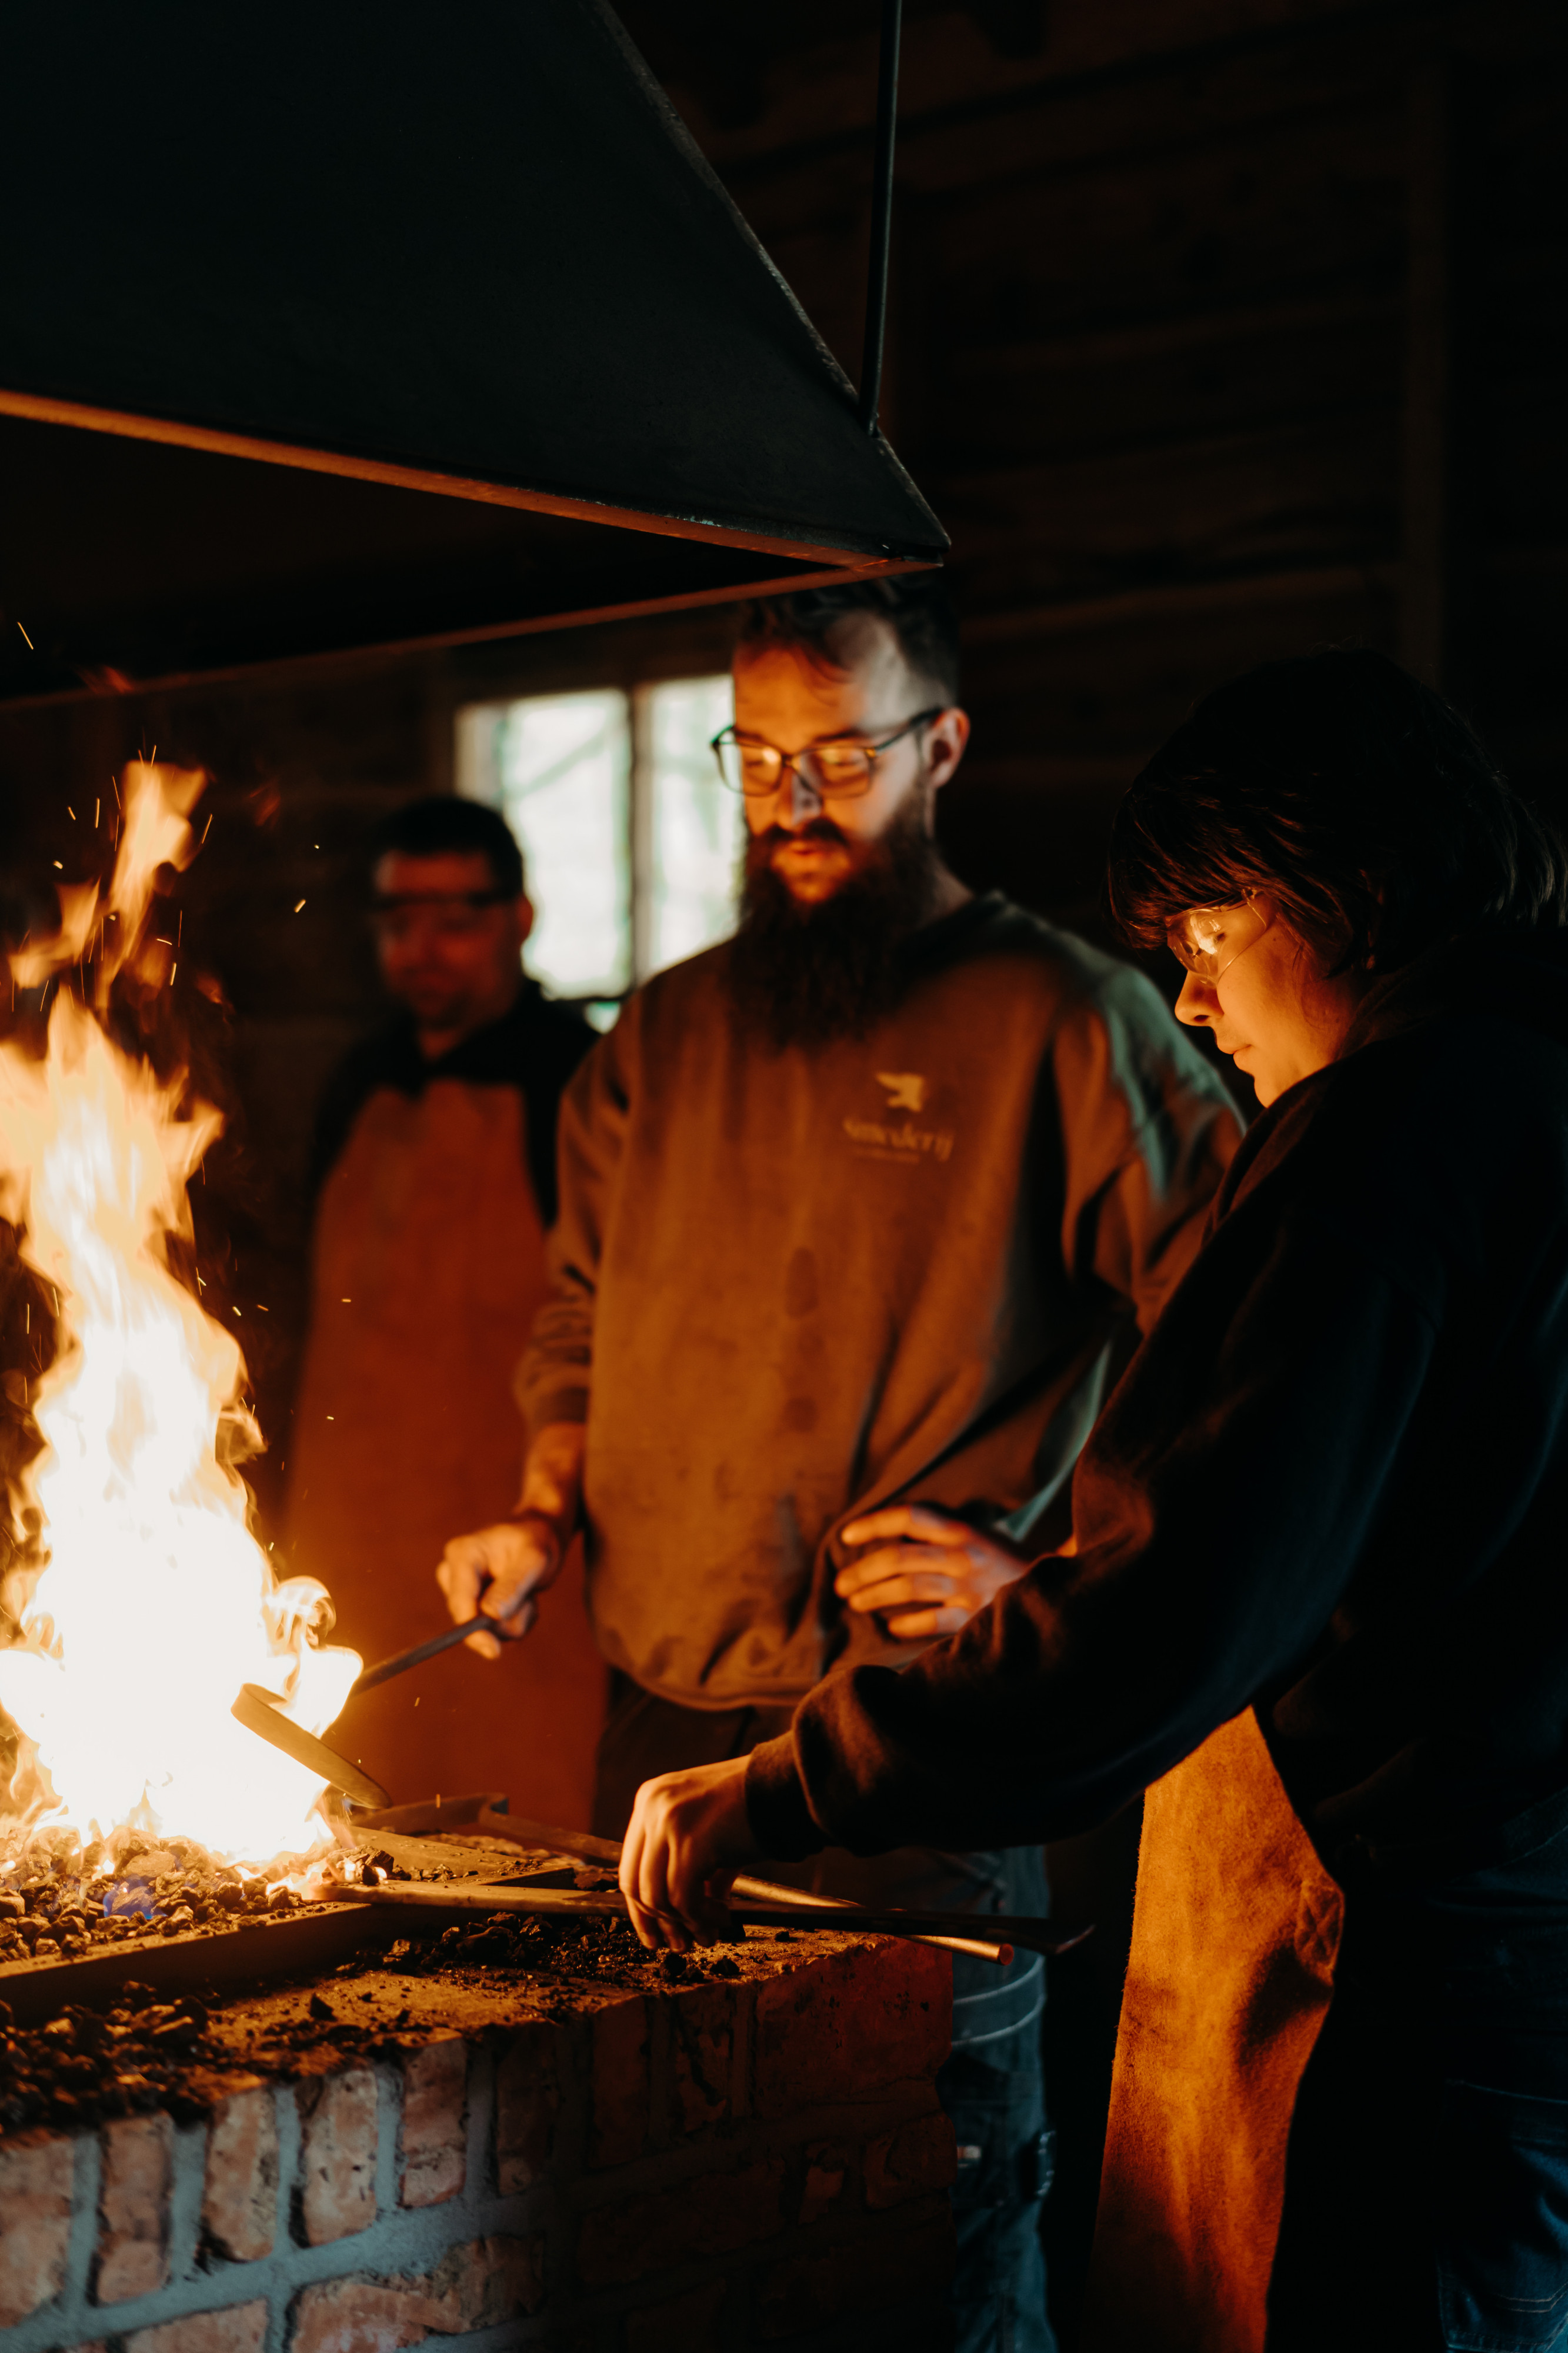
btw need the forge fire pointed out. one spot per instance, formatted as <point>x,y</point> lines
<point>142,1600</point>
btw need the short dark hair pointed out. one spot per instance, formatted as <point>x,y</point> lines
<point>442,826</point>
<point>1356,796</point>
<point>917,606</point>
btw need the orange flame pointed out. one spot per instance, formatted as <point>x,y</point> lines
<point>156,1602</point>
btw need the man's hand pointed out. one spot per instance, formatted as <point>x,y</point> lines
<point>929,1574</point>
<point>498,1571</point>
<point>689,1833</point>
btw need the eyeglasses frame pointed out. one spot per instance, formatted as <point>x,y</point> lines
<point>1214,906</point>
<point>789,761</point>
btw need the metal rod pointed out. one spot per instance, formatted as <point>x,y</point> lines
<point>881,214</point>
<point>586,1849</point>
<point>384,1671</point>
<point>919,1927</point>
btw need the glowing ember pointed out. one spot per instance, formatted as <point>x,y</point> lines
<point>156,1602</point>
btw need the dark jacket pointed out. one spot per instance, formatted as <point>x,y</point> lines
<point>788,1287</point>
<point>1333,1485</point>
<point>535,1048</point>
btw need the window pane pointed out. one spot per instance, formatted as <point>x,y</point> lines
<point>564,766</point>
<point>694,836</point>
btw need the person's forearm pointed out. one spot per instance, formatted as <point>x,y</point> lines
<point>552,1476</point>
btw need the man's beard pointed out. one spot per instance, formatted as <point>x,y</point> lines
<point>805,974</point>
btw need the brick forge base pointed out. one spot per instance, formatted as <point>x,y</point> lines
<point>757,2162</point>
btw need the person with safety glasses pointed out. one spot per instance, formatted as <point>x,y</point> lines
<point>1318,1603</point>
<point>857,1211</point>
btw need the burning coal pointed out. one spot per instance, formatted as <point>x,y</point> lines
<point>148,1601</point>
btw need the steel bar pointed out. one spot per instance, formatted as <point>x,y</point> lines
<point>881,216</point>
<point>301,1944</point>
<point>919,1927</point>
<point>752,1890</point>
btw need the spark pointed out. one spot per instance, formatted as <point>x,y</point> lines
<point>26,640</point>
<point>261,1310</point>
<point>58,868</point>
<point>297,909</point>
<point>95,807</point>
<point>234,1311</point>
<point>208,827</point>
<point>348,1302</point>
<point>70,812</point>
<point>117,802</point>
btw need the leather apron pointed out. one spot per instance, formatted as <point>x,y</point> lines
<point>1235,1935</point>
<point>428,1270</point>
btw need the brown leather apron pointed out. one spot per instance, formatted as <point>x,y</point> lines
<point>1235,1935</point>
<point>428,1270</point>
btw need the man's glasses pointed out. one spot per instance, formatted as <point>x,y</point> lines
<point>1208,939</point>
<point>838,771</point>
<point>455,913</point>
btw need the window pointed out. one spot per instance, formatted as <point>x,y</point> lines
<point>631,841</point>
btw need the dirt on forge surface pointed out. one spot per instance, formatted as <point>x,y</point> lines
<point>180,2052</point>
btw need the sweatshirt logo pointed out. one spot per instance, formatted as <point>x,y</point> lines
<point>899,1139</point>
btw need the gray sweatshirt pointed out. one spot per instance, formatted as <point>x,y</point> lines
<point>789,1287</point>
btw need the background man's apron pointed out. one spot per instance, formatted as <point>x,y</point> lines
<point>1235,1935</point>
<point>428,1269</point>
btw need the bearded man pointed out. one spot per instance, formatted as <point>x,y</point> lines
<point>856,1210</point>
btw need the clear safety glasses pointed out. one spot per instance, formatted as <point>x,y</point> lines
<point>1208,939</point>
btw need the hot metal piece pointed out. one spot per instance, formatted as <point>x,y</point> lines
<point>258,1710</point>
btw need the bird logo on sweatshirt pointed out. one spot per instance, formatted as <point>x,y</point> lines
<point>906,1090</point>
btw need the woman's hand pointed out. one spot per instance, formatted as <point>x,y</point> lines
<point>689,1835</point>
<point>927,1574</point>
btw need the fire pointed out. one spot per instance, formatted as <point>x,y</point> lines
<point>155,1602</point>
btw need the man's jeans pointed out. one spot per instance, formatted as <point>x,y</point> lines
<point>993,2088</point>
<point>993,2085</point>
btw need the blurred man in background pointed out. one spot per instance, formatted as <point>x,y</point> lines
<point>858,1209</point>
<point>435,1178</point>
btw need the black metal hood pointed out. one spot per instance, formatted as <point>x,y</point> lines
<point>329,326</point>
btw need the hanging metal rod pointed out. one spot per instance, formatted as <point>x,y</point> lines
<point>881,214</point>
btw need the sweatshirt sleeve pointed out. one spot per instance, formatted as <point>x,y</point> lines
<point>1148,1130</point>
<point>1220,1508</point>
<point>554,1378</point>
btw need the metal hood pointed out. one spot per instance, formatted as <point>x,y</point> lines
<point>330,326</point>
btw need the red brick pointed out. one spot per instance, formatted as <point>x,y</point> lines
<point>35,2172</point>
<point>133,2207</point>
<point>703,2026</point>
<point>528,2099</point>
<point>239,2194</point>
<point>475,2286</point>
<point>826,2163</point>
<point>849,2024</point>
<point>237,2328</point>
<point>687,2324</point>
<point>914,2159</point>
<point>709,2216</point>
<point>878,2273</point>
<point>620,2083</point>
<point>434,2141</point>
<point>337,2160</point>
